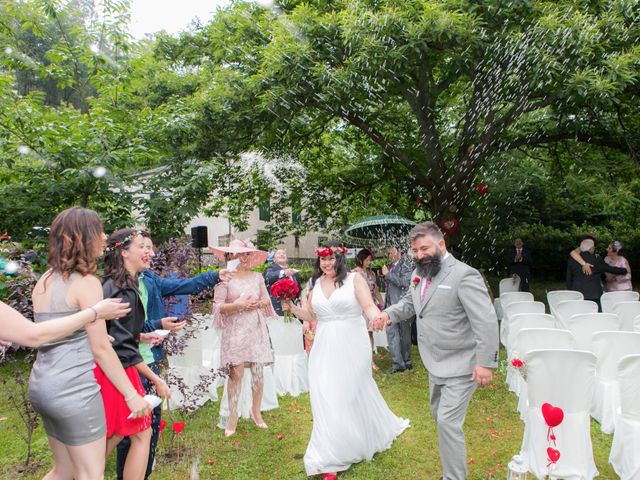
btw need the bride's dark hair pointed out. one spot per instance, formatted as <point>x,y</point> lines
<point>341,267</point>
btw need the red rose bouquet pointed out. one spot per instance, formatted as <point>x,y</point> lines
<point>285,289</point>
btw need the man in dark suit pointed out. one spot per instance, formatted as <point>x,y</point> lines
<point>519,263</point>
<point>397,278</point>
<point>589,285</point>
<point>274,272</point>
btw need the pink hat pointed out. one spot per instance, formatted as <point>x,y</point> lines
<point>257,257</point>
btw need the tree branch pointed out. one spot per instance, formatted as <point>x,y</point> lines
<point>379,139</point>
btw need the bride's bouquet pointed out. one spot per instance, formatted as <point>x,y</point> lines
<point>285,289</point>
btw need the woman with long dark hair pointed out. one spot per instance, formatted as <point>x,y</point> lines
<point>126,258</point>
<point>351,420</point>
<point>363,266</point>
<point>62,387</point>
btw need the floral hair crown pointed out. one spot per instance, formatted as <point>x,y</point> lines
<point>124,241</point>
<point>328,251</point>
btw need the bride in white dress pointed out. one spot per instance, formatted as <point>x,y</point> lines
<point>351,420</point>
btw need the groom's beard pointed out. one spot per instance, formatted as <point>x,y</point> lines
<point>429,265</point>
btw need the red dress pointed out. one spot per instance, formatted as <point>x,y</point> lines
<point>115,408</point>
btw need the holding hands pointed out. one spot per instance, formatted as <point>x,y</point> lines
<point>380,321</point>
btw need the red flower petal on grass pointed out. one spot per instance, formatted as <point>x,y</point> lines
<point>210,459</point>
<point>280,436</point>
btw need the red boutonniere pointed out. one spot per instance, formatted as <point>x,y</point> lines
<point>517,363</point>
<point>415,282</point>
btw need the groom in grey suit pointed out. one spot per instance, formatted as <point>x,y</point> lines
<point>457,337</point>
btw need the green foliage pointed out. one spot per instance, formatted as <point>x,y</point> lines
<point>386,101</point>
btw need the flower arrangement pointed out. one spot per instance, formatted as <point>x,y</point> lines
<point>124,241</point>
<point>517,363</point>
<point>415,282</point>
<point>285,289</point>
<point>328,251</point>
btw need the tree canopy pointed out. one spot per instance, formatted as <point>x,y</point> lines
<point>329,110</point>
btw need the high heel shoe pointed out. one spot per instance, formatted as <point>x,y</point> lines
<point>258,424</point>
<point>329,476</point>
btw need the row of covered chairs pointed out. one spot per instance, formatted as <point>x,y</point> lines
<point>567,379</point>
<point>575,326</point>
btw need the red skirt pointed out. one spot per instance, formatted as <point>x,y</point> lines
<point>115,408</point>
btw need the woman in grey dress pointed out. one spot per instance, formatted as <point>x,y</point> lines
<point>62,387</point>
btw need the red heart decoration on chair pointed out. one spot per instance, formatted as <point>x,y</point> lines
<point>449,226</point>
<point>553,454</point>
<point>552,415</point>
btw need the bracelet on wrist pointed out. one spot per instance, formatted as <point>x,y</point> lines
<point>95,314</point>
<point>131,397</point>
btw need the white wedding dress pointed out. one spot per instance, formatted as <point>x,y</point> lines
<point>351,420</point>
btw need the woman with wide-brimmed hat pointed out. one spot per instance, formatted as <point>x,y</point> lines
<point>240,308</point>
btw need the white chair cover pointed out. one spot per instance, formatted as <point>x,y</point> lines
<point>506,285</point>
<point>211,353</point>
<point>528,320</point>
<point>529,339</point>
<point>627,311</point>
<point>189,370</point>
<point>554,297</point>
<point>380,340</point>
<point>517,323</point>
<point>565,379</point>
<point>516,308</point>
<point>609,299</point>
<point>290,359</point>
<point>626,439</point>
<point>583,326</point>
<point>636,324</point>
<point>505,300</point>
<point>269,396</point>
<point>610,347</point>
<point>568,308</point>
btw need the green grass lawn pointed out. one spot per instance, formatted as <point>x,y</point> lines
<point>493,430</point>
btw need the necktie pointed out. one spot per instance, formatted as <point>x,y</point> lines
<point>427,282</point>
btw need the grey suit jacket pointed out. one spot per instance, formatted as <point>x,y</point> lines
<point>397,281</point>
<point>457,324</point>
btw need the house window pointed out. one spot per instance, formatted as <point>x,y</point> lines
<point>262,240</point>
<point>223,240</point>
<point>264,211</point>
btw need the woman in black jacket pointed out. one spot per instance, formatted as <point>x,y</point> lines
<point>126,258</point>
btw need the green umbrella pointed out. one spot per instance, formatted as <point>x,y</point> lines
<point>380,228</point>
